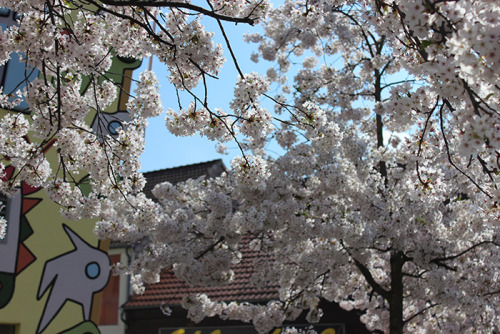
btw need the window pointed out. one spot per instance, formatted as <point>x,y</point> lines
<point>7,329</point>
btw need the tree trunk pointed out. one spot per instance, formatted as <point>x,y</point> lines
<point>379,123</point>
<point>396,294</point>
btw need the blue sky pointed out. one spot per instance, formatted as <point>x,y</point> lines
<point>164,150</point>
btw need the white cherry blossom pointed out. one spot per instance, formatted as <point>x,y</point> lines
<point>385,200</point>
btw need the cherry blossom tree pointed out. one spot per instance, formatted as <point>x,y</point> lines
<point>386,199</point>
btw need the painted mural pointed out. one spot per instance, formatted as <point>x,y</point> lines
<point>53,270</point>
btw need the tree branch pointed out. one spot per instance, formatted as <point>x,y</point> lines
<point>173,4</point>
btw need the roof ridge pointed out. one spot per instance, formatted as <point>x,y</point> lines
<point>186,166</point>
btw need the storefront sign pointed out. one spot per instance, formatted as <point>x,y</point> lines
<point>320,329</point>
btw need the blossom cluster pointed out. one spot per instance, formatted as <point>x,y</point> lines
<point>72,46</point>
<point>3,227</point>
<point>146,101</point>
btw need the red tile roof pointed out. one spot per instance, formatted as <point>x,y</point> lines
<point>170,290</point>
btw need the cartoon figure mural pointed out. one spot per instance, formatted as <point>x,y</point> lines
<point>86,265</point>
<point>52,270</point>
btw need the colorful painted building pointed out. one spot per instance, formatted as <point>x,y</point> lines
<point>53,271</point>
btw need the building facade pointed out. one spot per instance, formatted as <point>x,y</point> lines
<point>52,271</point>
